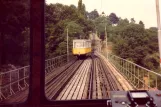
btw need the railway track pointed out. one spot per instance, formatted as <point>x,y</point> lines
<point>56,85</point>
<point>81,79</point>
<point>75,89</point>
<point>92,80</point>
<point>102,81</point>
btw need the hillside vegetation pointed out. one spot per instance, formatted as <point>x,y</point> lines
<point>130,39</point>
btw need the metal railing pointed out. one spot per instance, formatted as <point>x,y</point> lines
<point>16,80</point>
<point>139,77</point>
<point>56,62</point>
<point>13,81</point>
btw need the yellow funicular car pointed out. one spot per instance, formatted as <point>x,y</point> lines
<point>81,47</point>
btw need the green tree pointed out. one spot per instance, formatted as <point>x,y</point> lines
<point>93,14</point>
<point>80,6</point>
<point>13,21</point>
<point>81,9</point>
<point>100,24</point>
<point>153,28</point>
<point>133,43</point>
<point>113,18</point>
<point>141,23</point>
<point>132,20</point>
<point>123,22</point>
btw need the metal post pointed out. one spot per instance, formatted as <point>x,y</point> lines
<point>134,75</point>
<point>143,79</point>
<point>120,65</point>
<point>138,78</point>
<point>148,80</point>
<point>26,71</point>
<point>106,36</point>
<point>25,76</point>
<point>131,72</point>
<point>52,64</point>
<point>156,82</point>
<point>128,70</point>
<point>10,83</point>
<point>123,64</point>
<point>159,28</point>
<point>67,47</point>
<point>18,79</point>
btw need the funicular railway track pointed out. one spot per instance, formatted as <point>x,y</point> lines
<point>102,81</point>
<point>77,87</point>
<point>92,80</point>
<point>87,78</point>
<point>55,86</point>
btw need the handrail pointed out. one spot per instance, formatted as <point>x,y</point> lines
<point>13,70</point>
<point>139,66</point>
<point>138,76</point>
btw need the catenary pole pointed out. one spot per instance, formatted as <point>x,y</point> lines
<point>159,28</point>
<point>67,47</point>
<point>106,36</point>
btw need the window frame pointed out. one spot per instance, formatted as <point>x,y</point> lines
<point>36,96</point>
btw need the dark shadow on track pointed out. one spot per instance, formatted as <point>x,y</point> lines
<point>83,57</point>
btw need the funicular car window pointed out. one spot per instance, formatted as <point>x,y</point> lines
<point>85,72</point>
<point>74,45</point>
<point>83,44</point>
<point>79,44</point>
<point>14,51</point>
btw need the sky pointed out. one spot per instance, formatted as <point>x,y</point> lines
<point>144,10</point>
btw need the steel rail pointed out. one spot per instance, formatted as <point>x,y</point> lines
<point>91,80</point>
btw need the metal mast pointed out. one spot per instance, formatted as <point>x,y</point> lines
<point>106,36</point>
<point>159,28</point>
<point>67,47</point>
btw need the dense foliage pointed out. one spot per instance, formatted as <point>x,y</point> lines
<point>133,42</point>
<point>130,40</point>
<point>113,18</point>
<point>14,32</point>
